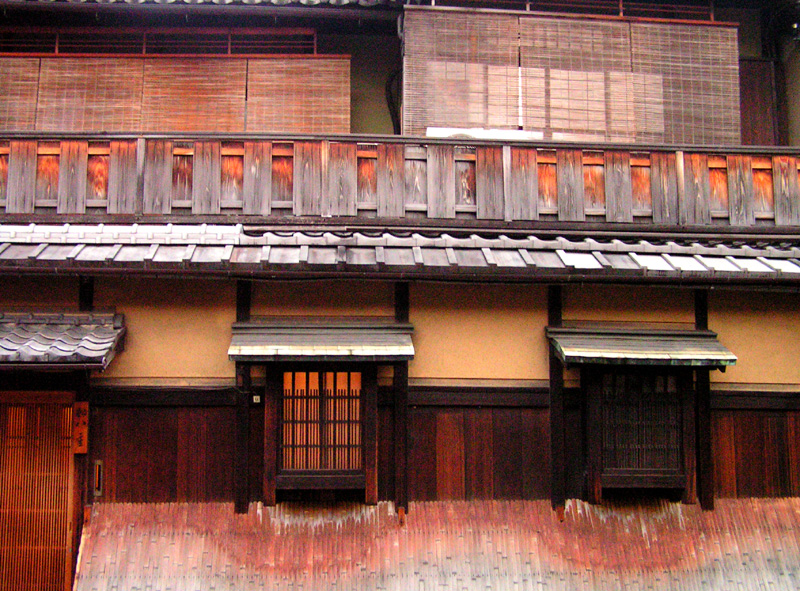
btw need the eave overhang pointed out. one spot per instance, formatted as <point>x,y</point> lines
<point>235,250</point>
<point>59,341</point>
<point>630,346</point>
<point>320,339</point>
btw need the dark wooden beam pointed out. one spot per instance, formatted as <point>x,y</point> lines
<point>85,293</point>
<point>244,300</point>
<point>591,382</point>
<point>370,394</point>
<point>272,397</point>
<point>401,435</point>
<point>557,454</point>
<point>242,468</point>
<point>167,396</point>
<point>402,301</point>
<point>705,456</point>
<point>701,309</point>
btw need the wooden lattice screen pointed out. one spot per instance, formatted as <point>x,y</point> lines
<point>36,473</point>
<point>321,422</point>
<point>571,79</point>
<point>641,422</point>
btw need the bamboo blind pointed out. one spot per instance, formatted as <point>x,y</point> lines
<point>321,421</point>
<point>641,422</point>
<point>194,95</point>
<point>572,79</point>
<point>20,77</point>
<point>35,488</point>
<point>300,95</point>
<point>89,94</point>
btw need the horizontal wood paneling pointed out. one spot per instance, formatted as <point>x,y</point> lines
<point>165,454</point>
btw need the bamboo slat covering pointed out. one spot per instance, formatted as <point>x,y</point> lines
<point>89,94</point>
<point>194,95</point>
<point>300,95</point>
<point>35,496</point>
<point>20,78</point>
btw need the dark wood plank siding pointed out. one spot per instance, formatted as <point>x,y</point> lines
<point>21,177</point>
<point>756,453</point>
<point>664,187</point>
<point>489,183</point>
<point>694,207</point>
<point>786,191</point>
<point>522,191</point>
<point>207,178</point>
<point>310,160</point>
<point>165,454</point>
<point>257,190</point>
<point>569,170</point>
<point>122,177</point>
<point>391,180</point>
<point>619,190</point>
<point>740,191</point>
<point>158,177</point>
<point>441,182</point>
<point>758,109</point>
<point>340,197</point>
<point>72,177</point>
<point>478,453</point>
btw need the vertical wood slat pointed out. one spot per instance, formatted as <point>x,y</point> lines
<point>619,190</point>
<point>694,207</point>
<point>122,177</point>
<point>207,178</point>
<point>21,188</point>
<point>72,177</point>
<point>697,459</point>
<point>391,182</point>
<point>569,164</point>
<point>478,454</point>
<point>342,183</point>
<point>664,187</point>
<point>786,191</point>
<point>740,191</point>
<point>370,393</point>
<point>441,182</point>
<point>489,183</point>
<point>157,177</point>
<point>450,455</point>
<point>522,188</point>
<point>257,182</point>
<point>310,168</point>
<point>272,398</point>
<point>594,433</point>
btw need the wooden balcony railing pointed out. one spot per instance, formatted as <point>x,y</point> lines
<point>393,178</point>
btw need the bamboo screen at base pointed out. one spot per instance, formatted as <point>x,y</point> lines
<point>321,422</point>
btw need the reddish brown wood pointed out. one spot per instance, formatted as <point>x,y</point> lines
<point>72,177</point>
<point>22,165</point>
<point>257,181</point>
<point>390,180</point>
<point>478,454</point>
<point>450,455</point>
<point>489,189</point>
<point>207,178</point>
<point>422,455</point>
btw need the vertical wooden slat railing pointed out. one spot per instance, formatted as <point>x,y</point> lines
<point>386,179</point>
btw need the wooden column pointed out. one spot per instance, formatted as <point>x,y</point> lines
<point>591,383</point>
<point>272,396</point>
<point>244,389</point>
<point>370,393</point>
<point>400,387</point>
<point>557,455</point>
<point>705,457</point>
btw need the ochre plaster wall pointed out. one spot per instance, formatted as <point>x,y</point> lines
<point>479,331</point>
<point>176,328</point>
<point>763,330</point>
<point>43,294</point>
<point>622,303</point>
<point>323,298</point>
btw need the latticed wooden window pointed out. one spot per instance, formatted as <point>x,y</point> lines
<point>321,422</point>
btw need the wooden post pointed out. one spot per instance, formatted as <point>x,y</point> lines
<point>591,383</point>
<point>272,396</point>
<point>705,457</point>
<point>244,391</point>
<point>400,386</point>
<point>371,434</point>
<point>557,455</point>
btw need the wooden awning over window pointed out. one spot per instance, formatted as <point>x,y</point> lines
<point>619,346</point>
<point>322,339</point>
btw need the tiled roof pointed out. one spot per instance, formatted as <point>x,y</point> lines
<point>82,340</point>
<point>499,545</point>
<point>322,339</point>
<point>236,249</point>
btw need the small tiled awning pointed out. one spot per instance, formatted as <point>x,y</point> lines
<point>302,339</point>
<point>59,341</point>
<point>576,346</point>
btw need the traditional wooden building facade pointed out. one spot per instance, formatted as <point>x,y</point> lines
<point>569,272</point>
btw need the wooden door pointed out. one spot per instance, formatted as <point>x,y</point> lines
<point>36,491</point>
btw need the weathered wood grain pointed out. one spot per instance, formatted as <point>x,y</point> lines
<point>341,194</point>
<point>490,190</point>
<point>257,181</point>
<point>569,171</point>
<point>441,182</point>
<point>391,184</point>
<point>157,177</point>
<point>740,191</point>
<point>478,454</point>
<point>310,166</point>
<point>416,182</point>
<point>664,187</point>
<point>694,207</point>
<point>522,188</point>
<point>72,177</point>
<point>122,177</point>
<point>21,192</point>
<point>207,181</point>
<point>450,455</point>
<point>619,190</point>
<point>786,196</point>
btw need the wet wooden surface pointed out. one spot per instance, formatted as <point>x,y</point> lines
<point>742,544</point>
